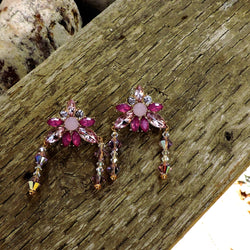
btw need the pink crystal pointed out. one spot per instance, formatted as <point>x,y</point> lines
<point>144,124</point>
<point>71,123</point>
<point>140,109</point>
<point>139,93</point>
<point>156,120</point>
<point>60,131</point>
<point>135,124</point>
<point>55,122</point>
<point>87,121</point>
<point>124,120</point>
<point>66,139</point>
<point>124,107</point>
<point>71,107</point>
<point>88,135</point>
<point>155,107</point>
<point>76,139</point>
<point>52,137</point>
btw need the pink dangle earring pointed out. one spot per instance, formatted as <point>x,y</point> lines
<point>71,128</point>
<point>139,112</point>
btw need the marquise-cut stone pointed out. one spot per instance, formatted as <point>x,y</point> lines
<point>71,123</point>
<point>52,137</point>
<point>87,121</point>
<point>155,107</point>
<point>124,107</point>
<point>76,139</point>
<point>66,139</point>
<point>135,124</point>
<point>139,93</point>
<point>144,124</point>
<point>123,121</point>
<point>156,120</point>
<point>71,107</point>
<point>55,122</point>
<point>140,109</point>
<point>88,135</point>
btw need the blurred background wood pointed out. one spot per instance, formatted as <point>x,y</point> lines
<point>193,56</point>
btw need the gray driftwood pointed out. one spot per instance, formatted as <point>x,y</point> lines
<point>191,55</point>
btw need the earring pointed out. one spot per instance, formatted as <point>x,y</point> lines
<point>139,112</point>
<point>70,129</point>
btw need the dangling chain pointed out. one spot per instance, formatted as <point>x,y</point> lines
<point>98,178</point>
<point>114,144</point>
<point>40,159</point>
<point>165,143</point>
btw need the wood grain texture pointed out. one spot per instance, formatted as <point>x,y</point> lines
<point>191,55</point>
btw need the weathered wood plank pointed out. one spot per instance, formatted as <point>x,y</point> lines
<point>191,55</point>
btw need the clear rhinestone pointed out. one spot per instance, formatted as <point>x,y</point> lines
<point>42,149</point>
<point>114,160</point>
<point>165,158</point>
<point>79,113</point>
<point>147,99</point>
<point>114,134</point>
<point>63,114</point>
<point>165,134</point>
<point>131,100</point>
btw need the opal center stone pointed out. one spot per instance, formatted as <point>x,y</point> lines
<point>71,123</point>
<point>140,109</point>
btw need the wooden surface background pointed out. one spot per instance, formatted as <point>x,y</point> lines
<point>191,55</point>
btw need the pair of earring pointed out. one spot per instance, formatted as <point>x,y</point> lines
<point>73,126</point>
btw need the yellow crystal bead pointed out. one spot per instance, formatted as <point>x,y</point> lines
<point>36,186</point>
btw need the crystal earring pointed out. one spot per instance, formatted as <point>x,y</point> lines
<point>139,112</point>
<point>70,129</point>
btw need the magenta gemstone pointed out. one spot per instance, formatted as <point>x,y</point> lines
<point>156,120</point>
<point>87,122</point>
<point>135,124</point>
<point>76,139</point>
<point>155,107</point>
<point>66,139</point>
<point>139,93</point>
<point>144,124</point>
<point>124,107</point>
<point>55,122</point>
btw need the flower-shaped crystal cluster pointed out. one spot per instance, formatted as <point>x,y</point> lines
<point>71,127</point>
<point>139,112</point>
